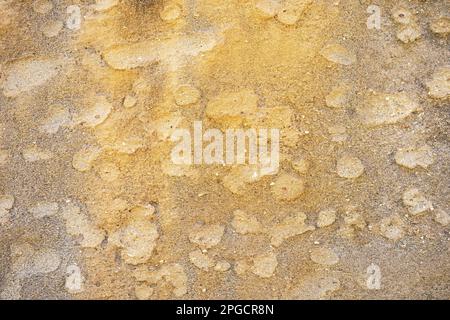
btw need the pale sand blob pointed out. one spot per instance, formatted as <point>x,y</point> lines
<point>385,108</point>
<point>173,274</point>
<point>44,209</point>
<point>222,266</point>
<point>293,225</point>
<point>324,256</point>
<point>35,153</point>
<point>441,26</point>
<point>239,178</point>
<point>104,5</point>
<point>316,287</point>
<point>201,260</point>
<point>354,223</point>
<point>137,239</point>
<point>230,108</point>
<point>338,133</point>
<point>141,54</point>
<point>291,11</point>
<point>146,210</point>
<point>143,292</point>
<point>412,157</point>
<point>287,187</point>
<point>6,204</point>
<point>52,28</point>
<point>244,223</point>
<point>268,8</point>
<point>83,159</point>
<point>186,95</point>
<point>26,74</point>
<point>409,33</point>
<point>129,101</point>
<point>264,265</point>
<point>326,218</point>
<point>170,12</point>
<point>95,114</point>
<point>78,224</point>
<point>4,156</point>
<point>402,15</point>
<point>29,260</point>
<point>42,6</point>
<point>349,167</point>
<point>442,217</point>
<point>392,228</point>
<point>416,202</point>
<point>439,85</point>
<point>301,165</point>
<point>207,236</point>
<point>338,54</point>
<point>46,262</point>
<point>338,97</point>
<point>58,118</point>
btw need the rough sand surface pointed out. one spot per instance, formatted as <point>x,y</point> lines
<point>91,207</point>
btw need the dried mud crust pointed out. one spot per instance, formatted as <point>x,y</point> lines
<point>92,207</point>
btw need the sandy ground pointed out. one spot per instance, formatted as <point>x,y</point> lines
<point>91,207</point>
